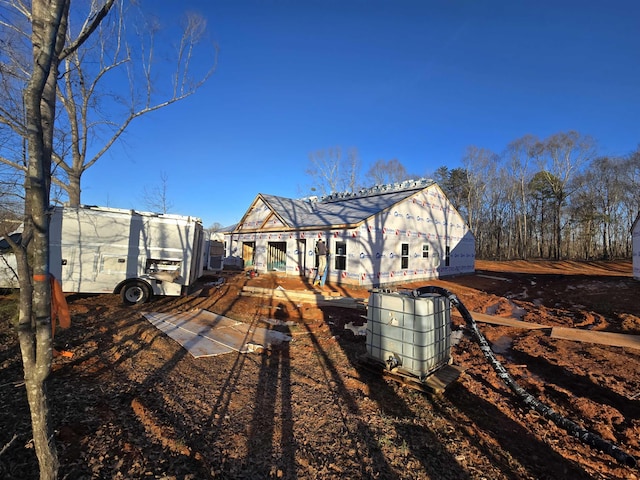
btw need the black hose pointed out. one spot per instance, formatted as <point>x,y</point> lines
<point>571,427</point>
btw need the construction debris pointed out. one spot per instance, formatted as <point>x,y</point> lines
<point>206,334</point>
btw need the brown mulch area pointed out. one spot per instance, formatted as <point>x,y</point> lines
<point>131,403</point>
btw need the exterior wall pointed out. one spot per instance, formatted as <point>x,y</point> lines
<point>426,224</point>
<point>636,249</point>
<point>299,261</point>
<point>372,254</point>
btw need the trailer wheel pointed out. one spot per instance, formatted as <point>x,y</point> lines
<point>135,292</point>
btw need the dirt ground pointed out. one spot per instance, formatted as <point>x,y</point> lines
<point>132,404</point>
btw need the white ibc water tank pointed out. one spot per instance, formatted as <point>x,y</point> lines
<point>412,334</point>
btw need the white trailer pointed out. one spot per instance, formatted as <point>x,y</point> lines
<point>108,250</point>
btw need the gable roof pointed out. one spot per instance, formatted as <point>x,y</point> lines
<point>343,210</point>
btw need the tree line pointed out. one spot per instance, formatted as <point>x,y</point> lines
<point>553,198</point>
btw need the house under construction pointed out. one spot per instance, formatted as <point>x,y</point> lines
<point>401,232</point>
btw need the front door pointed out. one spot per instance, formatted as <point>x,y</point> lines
<point>248,253</point>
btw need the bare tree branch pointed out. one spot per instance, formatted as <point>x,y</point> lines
<point>331,171</point>
<point>89,27</point>
<point>92,118</point>
<point>156,198</point>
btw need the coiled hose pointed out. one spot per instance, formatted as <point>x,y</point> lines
<point>571,427</point>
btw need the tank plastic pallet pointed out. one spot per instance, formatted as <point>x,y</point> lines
<point>435,383</point>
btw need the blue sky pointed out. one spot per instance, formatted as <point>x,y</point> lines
<point>418,81</point>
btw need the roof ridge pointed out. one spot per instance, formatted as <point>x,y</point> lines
<point>406,185</point>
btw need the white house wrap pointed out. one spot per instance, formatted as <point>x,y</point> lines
<point>385,234</point>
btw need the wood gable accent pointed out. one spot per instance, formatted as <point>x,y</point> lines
<point>260,216</point>
<point>273,222</point>
<point>255,216</point>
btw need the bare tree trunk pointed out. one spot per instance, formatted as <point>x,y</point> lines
<point>34,328</point>
<point>525,227</point>
<point>73,189</point>
<point>48,20</point>
<point>35,345</point>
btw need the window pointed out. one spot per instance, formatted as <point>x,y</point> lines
<point>447,253</point>
<point>404,257</point>
<point>425,250</point>
<point>341,256</point>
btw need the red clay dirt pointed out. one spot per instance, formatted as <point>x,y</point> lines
<point>131,403</point>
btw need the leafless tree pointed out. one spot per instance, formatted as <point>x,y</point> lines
<point>11,193</point>
<point>480,166</point>
<point>156,198</point>
<point>215,227</point>
<point>332,170</point>
<point>386,171</point>
<point>601,202</point>
<point>564,154</point>
<point>43,28</point>
<point>92,114</point>
<point>521,155</point>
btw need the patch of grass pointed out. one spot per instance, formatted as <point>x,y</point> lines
<point>385,441</point>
